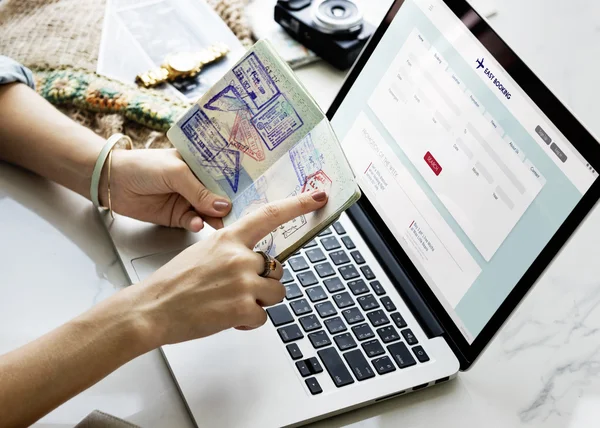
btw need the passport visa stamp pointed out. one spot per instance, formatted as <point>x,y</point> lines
<point>277,122</point>
<point>256,81</point>
<point>229,99</point>
<point>305,158</point>
<point>203,135</point>
<point>317,181</point>
<point>245,137</point>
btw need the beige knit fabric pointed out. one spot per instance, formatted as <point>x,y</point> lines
<point>52,33</point>
<point>66,33</point>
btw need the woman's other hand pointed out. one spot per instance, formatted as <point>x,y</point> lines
<point>157,186</point>
<point>216,284</point>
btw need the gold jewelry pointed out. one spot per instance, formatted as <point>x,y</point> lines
<point>270,264</point>
<point>129,147</point>
<point>181,65</point>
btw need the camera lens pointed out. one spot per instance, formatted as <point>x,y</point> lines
<point>337,15</point>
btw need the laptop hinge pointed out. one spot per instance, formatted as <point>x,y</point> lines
<point>401,281</point>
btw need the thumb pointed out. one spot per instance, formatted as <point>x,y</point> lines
<point>203,200</point>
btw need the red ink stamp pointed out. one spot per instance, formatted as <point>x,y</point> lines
<point>317,181</point>
<point>245,138</point>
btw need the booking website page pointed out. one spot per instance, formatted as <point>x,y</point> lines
<point>468,174</point>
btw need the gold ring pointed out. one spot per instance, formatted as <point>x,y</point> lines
<point>270,264</point>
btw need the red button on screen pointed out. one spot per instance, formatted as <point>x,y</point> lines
<point>433,164</point>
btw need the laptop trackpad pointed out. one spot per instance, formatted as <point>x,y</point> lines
<point>147,265</point>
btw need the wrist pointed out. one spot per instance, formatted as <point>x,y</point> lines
<point>81,158</point>
<point>121,319</point>
<point>149,325</point>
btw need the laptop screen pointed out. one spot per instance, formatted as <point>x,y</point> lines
<point>468,174</point>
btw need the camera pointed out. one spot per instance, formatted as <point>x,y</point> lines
<point>333,29</point>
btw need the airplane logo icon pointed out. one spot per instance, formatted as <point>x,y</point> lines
<point>479,63</point>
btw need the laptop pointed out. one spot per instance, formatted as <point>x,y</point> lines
<point>473,174</point>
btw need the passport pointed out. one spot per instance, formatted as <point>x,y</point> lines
<point>258,136</point>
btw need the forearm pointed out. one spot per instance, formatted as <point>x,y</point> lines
<point>38,137</point>
<point>43,374</point>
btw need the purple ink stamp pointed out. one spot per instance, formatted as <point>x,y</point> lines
<point>203,135</point>
<point>226,164</point>
<point>255,79</point>
<point>229,99</point>
<point>277,122</point>
<point>305,158</point>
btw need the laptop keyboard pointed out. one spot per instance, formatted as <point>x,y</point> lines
<point>334,299</point>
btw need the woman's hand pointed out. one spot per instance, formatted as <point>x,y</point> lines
<point>215,284</point>
<point>157,186</point>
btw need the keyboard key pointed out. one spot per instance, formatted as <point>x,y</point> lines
<point>335,325</point>
<point>353,316</point>
<point>287,277</point>
<point>307,278</point>
<point>314,365</point>
<point>357,256</point>
<point>324,270</point>
<point>315,255</point>
<point>297,263</point>
<point>339,228</point>
<point>303,368</point>
<point>311,244</point>
<point>363,332</point>
<point>378,318</point>
<point>383,365</point>
<point>388,334</point>
<point>316,294</point>
<point>409,337</point>
<point>348,272</point>
<point>388,304</point>
<point>326,232</point>
<point>344,341</point>
<point>377,288</point>
<point>401,355</point>
<point>292,291</point>
<point>348,243</point>
<point>333,285</point>
<point>339,257</point>
<point>358,287</point>
<point>310,323</point>
<point>313,385</point>
<point>373,348</point>
<point>368,302</point>
<point>398,320</point>
<point>420,354</point>
<point>330,243</point>
<point>343,300</point>
<point>300,307</point>
<point>289,333</point>
<point>325,309</point>
<point>367,272</point>
<point>280,315</point>
<point>319,339</point>
<point>335,367</point>
<point>294,351</point>
<point>359,365</point>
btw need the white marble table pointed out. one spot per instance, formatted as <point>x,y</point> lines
<point>543,369</point>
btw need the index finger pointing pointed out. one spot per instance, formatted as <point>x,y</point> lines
<point>258,224</point>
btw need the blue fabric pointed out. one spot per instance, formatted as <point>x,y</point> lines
<point>12,71</point>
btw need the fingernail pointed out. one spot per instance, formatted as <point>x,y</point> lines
<point>319,196</point>
<point>221,205</point>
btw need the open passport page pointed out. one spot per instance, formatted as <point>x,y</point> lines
<point>257,136</point>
